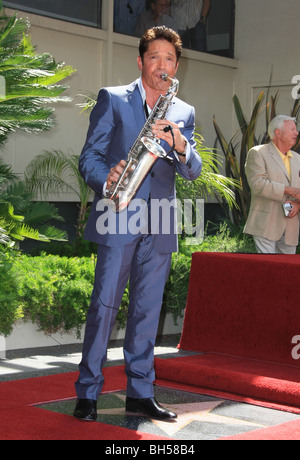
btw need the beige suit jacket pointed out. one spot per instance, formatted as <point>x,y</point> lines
<point>267,177</point>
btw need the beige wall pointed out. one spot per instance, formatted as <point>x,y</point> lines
<point>267,40</point>
<point>266,37</point>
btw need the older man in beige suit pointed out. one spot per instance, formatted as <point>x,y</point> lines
<point>273,173</point>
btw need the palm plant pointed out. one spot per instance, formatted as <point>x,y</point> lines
<point>210,182</point>
<point>56,172</point>
<point>22,218</point>
<point>28,87</point>
<point>28,80</point>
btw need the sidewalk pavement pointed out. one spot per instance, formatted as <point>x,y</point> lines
<point>36,362</point>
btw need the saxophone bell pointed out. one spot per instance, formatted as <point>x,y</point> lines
<point>153,147</point>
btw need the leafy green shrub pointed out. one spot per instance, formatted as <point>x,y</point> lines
<point>177,286</point>
<point>54,292</point>
<point>10,304</point>
<point>77,248</point>
<point>225,241</point>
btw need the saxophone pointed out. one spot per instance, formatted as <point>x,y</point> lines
<point>144,152</point>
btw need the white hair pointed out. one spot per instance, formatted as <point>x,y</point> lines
<point>278,123</point>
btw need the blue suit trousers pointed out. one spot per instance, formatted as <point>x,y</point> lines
<point>147,270</point>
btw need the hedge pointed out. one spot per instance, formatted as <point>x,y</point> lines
<point>54,292</point>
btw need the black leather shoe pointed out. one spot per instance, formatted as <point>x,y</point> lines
<point>150,407</point>
<point>86,409</point>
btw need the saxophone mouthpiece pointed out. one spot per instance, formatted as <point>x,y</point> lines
<point>164,76</point>
<point>173,82</point>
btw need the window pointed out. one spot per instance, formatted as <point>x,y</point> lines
<point>132,17</point>
<point>215,36</point>
<point>87,12</point>
<point>220,28</point>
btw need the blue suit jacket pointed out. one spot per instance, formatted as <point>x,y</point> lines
<point>115,123</point>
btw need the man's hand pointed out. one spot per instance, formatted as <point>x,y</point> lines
<point>292,191</point>
<point>115,173</point>
<point>295,208</point>
<point>160,132</point>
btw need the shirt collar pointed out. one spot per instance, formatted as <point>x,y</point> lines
<point>148,110</point>
<point>142,89</point>
<point>288,154</point>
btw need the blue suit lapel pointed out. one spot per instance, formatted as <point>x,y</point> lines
<point>135,100</point>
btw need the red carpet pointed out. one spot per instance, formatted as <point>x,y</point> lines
<point>229,378</point>
<point>269,385</point>
<point>244,305</point>
<point>243,314</point>
<point>20,420</point>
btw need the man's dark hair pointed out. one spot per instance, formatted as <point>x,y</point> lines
<point>160,33</point>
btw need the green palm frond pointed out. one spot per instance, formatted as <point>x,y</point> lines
<point>55,172</point>
<point>11,32</point>
<point>41,211</point>
<point>22,218</point>
<point>53,233</point>
<point>7,213</point>
<point>4,238</point>
<point>32,81</point>
<point>6,173</point>
<point>37,92</point>
<point>20,227</point>
<point>89,101</point>
<point>14,224</point>
<point>21,231</point>
<point>210,182</point>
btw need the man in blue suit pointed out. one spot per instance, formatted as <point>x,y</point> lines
<point>143,256</point>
